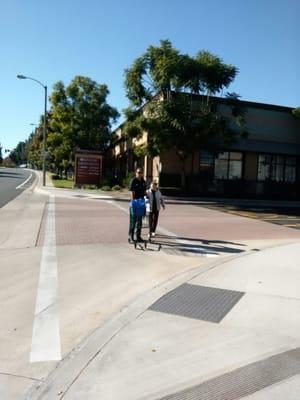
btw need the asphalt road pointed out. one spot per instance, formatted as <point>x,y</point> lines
<point>12,182</point>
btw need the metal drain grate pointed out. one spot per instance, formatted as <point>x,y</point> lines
<point>246,380</point>
<point>200,302</point>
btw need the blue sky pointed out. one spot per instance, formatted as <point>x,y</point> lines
<point>58,39</point>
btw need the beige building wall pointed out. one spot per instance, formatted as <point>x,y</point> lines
<point>172,165</point>
<point>156,168</point>
<point>140,141</point>
<point>270,124</point>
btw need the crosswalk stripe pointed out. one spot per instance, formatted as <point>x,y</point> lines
<point>45,344</point>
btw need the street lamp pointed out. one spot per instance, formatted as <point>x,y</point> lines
<point>45,124</point>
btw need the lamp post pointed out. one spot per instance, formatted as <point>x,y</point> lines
<point>45,124</point>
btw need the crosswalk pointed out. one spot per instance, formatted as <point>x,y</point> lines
<point>46,336</point>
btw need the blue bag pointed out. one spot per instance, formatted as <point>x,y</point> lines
<point>138,207</point>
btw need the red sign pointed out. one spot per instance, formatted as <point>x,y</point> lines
<point>88,167</point>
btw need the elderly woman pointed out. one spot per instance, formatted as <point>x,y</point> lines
<point>156,200</point>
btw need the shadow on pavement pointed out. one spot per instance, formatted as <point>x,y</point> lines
<point>201,247</point>
<point>11,175</point>
<point>204,241</point>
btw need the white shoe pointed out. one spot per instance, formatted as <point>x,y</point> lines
<point>152,234</point>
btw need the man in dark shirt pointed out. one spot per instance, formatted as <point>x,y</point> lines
<point>138,191</point>
<point>138,185</point>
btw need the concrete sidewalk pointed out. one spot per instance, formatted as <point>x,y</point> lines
<point>121,338</point>
<point>210,332</point>
<point>164,351</point>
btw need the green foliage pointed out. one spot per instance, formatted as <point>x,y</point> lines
<point>116,188</point>
<point>55,177</point>
<point>90,187</point>
<point>140,151</point>
<point>127,179</point>
<point>18,155</point>
<point>8,162</point>
<point>106,188</point>
<point>175,118</point>
<point>80,117</point>
<point>296,112</point>
<point>164,69</point>
<point>58,182</point>
<point>34,148</point>
<point>214,75</point>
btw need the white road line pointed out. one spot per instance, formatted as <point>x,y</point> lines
<point>45,337</point>
<point>191,244</point>
<point>22,184</point>
<point>164,231</point>
<point>118,206</point>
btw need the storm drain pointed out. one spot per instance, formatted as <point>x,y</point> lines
<point>246,380</point>
<point>199,302</point>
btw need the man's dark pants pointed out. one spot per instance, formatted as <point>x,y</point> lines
<point>135,222</point>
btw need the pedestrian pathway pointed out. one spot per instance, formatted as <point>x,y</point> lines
<point>127,345</point>
<point>251,349</point>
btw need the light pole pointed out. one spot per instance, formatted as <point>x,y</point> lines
<point>45,124</point>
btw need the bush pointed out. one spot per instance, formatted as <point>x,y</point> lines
<point>116,187</point>
<point>91,187</point>
<point>126,181</point>
<point>105,188</point>
<point>56,177</point>
<point>105,182</point>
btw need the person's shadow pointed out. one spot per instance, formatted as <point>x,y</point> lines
<point>194,246</point>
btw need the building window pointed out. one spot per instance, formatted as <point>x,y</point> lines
<point>276,168</point>
<point>290,170</point>
<point>207,162</point>
<point>264,167</point>
<point>228,165</point>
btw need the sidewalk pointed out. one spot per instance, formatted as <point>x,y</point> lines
<point>125,195</point>
<point>251,350</point>
<point>121,338</point>
<point>210,332</point>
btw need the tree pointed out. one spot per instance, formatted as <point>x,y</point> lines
<point>296,112</point>
<point>18,154</point>
<point>8,162</point>
<point>80,117</point>
<point>1,159</point>
<point>34,146</point>
<point>161,86</point>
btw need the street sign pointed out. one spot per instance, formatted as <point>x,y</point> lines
<point>88,167</point>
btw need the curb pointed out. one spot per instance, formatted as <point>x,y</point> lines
<point>60,380</point>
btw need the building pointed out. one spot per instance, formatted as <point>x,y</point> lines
<point>266,164</point>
